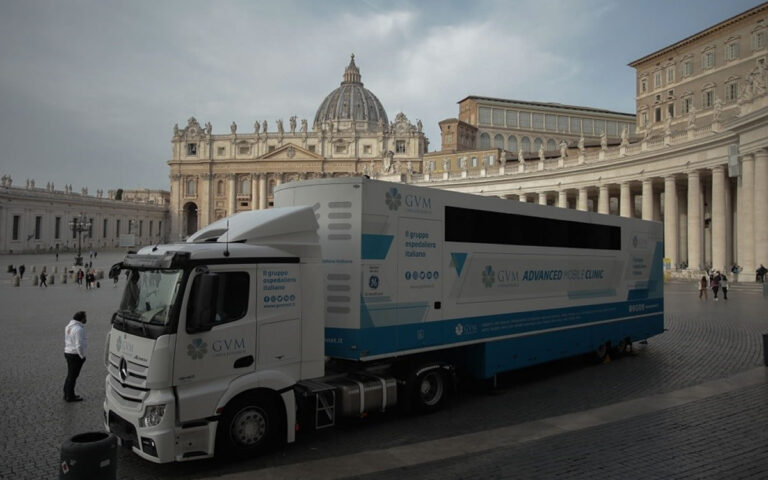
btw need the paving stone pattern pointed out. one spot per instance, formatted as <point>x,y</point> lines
<point>704,341</point>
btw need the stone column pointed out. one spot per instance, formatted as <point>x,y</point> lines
<point>582,201</point>
<point>543,198</point>
<point>647,199</point>
<point>746,198</point>
<point>231,180</point>
<point>205,206</point>
<point>625,201</point>
<point>262,191</point>
<point>254,191</point>
<point>695,222</point>
<point>718,218</point>
<point>603,203</point>
<point>761,207</point>
<point>562,199</point>
<point>670,220</point>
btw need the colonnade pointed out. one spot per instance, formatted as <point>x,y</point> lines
<point>711,219</point>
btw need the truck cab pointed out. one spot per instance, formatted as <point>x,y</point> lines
<point>212,335</point>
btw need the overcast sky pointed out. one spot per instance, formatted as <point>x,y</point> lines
<point>90,89</point>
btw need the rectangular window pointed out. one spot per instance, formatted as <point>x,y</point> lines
<point>670,110</point>
<point>312,148</point>
<point>117,228</point>
<point>613,128</point>
<point>220,151</point>
<point>141,227</point>
<point>16,225</point>
<point>670,74</point>
<point>400,146</point>
<point>586,125</point>
<point>643,85</point>
<point>551,122</point>
<point>687,68</point>
<point>498,117</point>
<point>484,115</point>
<point>538,120</point>
<point>562,124</point>
<point>90,228</point>
<point>708,60</point>
<point>599,127</point>
<point>657,114</point>
<point>38,226</point>
<point>191,149</point>
<point>233,293</point>
<point>104,228</point>
<point>57,228</point>
<point>448,138</point>
<point>477,226</point>
<point>731,91</point>
<point>340,149</point>
<point>686,104</point>
<point>644,119</point>
<point>159,227</point>
<point>525,120</point>
<point>575,125</point>
<point>759,40</point>
<point>732,51</point>
<point>511,118</point>
<point>244,150</point>
<point>150,228</point>
<point>367,149</point>
<point>657,80</point>
<point>707,99</point>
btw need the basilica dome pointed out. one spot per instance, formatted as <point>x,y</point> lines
<point>351,102</point>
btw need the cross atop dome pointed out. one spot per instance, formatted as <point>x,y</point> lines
<point>352,73</point>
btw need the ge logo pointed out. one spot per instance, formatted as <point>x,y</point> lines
<point>373,282</point>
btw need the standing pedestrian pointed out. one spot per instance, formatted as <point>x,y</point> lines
<point>43,277</point>
<point>80,276</point>
<point>724,286</point>
<point>703,287</point>
<point>715,283</point>
<point>75,344</point>
<point>22,268</point>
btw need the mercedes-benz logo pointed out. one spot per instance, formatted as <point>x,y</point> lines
<point>123,369</point>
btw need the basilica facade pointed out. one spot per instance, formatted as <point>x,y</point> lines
<point>217,175</point>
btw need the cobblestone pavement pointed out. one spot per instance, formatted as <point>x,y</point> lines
<point>705,341</point>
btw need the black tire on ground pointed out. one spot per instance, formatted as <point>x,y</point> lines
<point>89,455</point>
<point>251,424</point>
<point>429,390</point>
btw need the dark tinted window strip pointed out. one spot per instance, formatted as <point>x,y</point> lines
<point>479,226</point>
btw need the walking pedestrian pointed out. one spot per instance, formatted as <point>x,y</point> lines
<point>22,268</point>
<point>724,286</point>
<point>43,277</point>
<point>703,287</point>
<point>715,283</point>
<point>80,276</point>
<point>75,344</point>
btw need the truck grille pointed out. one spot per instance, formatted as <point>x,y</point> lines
<point>133,388</point>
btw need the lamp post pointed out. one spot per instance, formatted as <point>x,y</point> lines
<point>79,225</point>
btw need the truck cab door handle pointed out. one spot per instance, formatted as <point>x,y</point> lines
<point>246,361</point>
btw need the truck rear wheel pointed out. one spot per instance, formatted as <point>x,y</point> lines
<point>250,425</point>
<point>429,390</point>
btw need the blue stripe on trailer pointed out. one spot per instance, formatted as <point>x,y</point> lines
<point>375,247</point>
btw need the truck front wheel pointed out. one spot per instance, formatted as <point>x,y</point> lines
<point>249,426</point>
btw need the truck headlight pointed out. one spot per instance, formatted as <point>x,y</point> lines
<point>153,415</point>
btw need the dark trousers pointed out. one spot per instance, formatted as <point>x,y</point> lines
<point>725,293</point>
<point>74,364</point>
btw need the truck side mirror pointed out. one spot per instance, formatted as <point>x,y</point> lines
<point>114,271</point>
<point>203,298</point>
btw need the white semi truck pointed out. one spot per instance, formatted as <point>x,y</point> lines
<point>354,296</point>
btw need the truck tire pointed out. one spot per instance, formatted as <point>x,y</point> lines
<point>251,424</point>
<point>89,455</point>
<point>601,353</point>
<point>429,390</point>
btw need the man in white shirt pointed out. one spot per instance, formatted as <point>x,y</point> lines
<point>75,343</point>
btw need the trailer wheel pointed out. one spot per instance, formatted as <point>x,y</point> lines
<point>429,390</point>
<point>602,352</point>
<point>249,426</point>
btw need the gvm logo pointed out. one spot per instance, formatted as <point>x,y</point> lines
<point>415,201</point>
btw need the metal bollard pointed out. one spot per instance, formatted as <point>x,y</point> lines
<point>16,281</point>
<point>51,279</point>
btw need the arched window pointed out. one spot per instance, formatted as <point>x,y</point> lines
<point>537,144</point>
<point>485,141</point>
<point>192,187</point>
<point>551,145</point>
<point>525,144</point>
<point>245,186</point>
<point>220,188</point>
<point>512,143</point>
<point>498,141</point>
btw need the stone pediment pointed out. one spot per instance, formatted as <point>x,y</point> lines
<point>291,152</point>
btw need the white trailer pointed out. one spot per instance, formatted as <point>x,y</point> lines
<point>355,295</point>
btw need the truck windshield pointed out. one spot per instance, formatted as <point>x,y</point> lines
<point>149,295</point>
